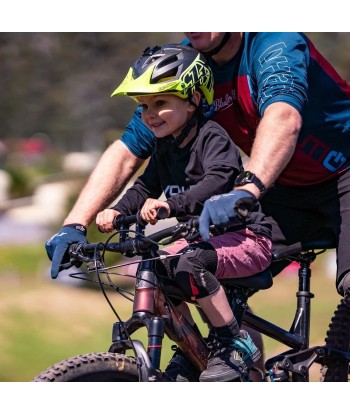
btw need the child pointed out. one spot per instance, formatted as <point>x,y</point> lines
<point>194,160</point>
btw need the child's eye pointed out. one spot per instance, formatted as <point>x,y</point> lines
<point>144,107</point>
<point>160,103</point>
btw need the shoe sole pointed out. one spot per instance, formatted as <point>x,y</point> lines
<point>231,374</point>
<point>224,376</point>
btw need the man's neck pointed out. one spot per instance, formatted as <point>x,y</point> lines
<point>229,50</point>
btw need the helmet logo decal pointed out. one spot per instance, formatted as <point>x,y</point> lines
<point>198,75</point>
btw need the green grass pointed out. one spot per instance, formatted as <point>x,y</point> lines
<point>44,321</point>
<point>23,261</point>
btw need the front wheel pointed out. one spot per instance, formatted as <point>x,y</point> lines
<point>92,367</point>
<point>338,337</point>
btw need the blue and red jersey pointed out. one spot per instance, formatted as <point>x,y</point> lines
<point>277,67</point>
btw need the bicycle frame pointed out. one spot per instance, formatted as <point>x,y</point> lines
<point>297,337</point>
<point>300,357</point>
<point>159,317</point>
<point>150,304</point>
<point>153,310</point>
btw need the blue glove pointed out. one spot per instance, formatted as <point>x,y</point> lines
<point>57,246</point>
<point>220,210</point>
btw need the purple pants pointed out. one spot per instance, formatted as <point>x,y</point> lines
<point>240,254</point>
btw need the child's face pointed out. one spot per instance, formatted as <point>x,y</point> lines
<point>165,114</point>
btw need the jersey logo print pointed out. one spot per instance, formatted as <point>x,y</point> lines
<point>174,189</point>
<point>275,65</point>
<point>334,161</point>
<point>226,101</point>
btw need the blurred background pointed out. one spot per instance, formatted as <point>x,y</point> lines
<point>56,119</point>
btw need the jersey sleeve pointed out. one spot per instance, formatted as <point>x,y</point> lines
<point>280,69</point>
<point>138,138</point>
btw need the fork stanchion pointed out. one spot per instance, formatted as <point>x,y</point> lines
<point>155,339</point>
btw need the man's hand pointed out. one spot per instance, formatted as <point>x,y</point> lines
<point>226,208</point>
<point>57,246</point>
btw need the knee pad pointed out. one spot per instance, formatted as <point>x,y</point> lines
<point>195,269</point>
<point>199,286</point>
<point>198,257</point>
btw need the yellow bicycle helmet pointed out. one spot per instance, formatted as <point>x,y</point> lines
<point>172,69</point>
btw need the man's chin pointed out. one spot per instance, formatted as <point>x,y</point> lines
<point>200,41</point>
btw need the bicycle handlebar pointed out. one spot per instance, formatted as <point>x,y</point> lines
<point>139,244</point>
<point>121,221</point>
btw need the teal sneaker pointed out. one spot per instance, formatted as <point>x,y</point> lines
<point>230,359</point>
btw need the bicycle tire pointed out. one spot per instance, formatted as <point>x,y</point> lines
<point>338,337</point>
<point>92,367</point>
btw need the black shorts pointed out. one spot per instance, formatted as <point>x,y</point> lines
<point>303,211</point>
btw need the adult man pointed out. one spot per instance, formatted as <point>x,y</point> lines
<point>273,90</point>
<point>293,119</point>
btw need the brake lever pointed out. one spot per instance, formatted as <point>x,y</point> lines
<point>68,265</point>
<point>213,231</point>
<point>174,237</point>
<point>193,237</point>
<point>77,258</point>
<point>188,231</point>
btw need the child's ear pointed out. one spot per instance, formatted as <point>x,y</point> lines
<point>196,98</point>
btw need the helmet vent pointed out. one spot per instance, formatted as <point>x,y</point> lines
<point>168,67</point>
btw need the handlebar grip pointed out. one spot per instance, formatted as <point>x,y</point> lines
<point>162,213</point>
<point>123,220</point>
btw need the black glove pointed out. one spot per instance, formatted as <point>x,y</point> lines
<point>226,208</point>
<point>57,246</point>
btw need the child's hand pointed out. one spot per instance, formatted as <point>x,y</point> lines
<point>104,220</point>
<point>149,210</point>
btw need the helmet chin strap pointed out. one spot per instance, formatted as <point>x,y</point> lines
<point>170,141</point>
<point>216,50</point>
<point>177,141</point>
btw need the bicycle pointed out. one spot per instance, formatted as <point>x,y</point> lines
<point>153,309</point>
